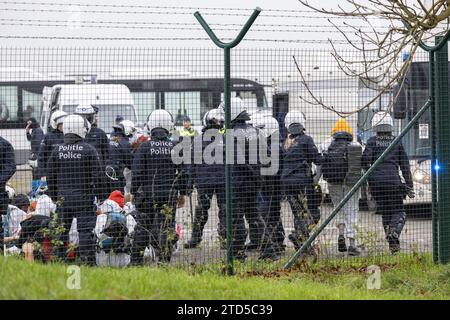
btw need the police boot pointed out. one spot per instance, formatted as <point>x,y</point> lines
<point>294,238</point>
<point>394,242</point>
<point>342,246</point>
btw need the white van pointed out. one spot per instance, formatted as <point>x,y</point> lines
<point>112,100</point>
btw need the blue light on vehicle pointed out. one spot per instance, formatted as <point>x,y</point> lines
<point>405,56</point>
<point>436,167</point>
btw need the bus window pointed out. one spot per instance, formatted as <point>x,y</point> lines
<point>180,104</point>
<point>250,99</point>
<point>208,101</point>
<point>31,104</point>
<point>9,104</point>
<point>419,143</point>
<point>144,103</point>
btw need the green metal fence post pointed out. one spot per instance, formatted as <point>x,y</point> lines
<point>443,154</point>
<point>434,92</point>
<point>227,97</point>
<point>431,82</point>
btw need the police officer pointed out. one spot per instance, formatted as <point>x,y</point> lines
<point>96,137</point>
<point>35,135</point>
<point>385,183</point>
<point>154,186</point>
<point>299,152</point>
<point>120,156</point>
<point>75,181</point>
<point>51,139</point>
<point>187,130</point>
<point>245,180</point>
<point>209,177</point>
<point>269,195</point>
<point>7,170</point>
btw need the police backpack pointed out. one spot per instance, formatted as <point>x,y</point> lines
<point>335,162</point>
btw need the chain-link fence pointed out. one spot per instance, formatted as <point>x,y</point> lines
<point>120,156</point>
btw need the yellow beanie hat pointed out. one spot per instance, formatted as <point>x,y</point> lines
<point>341,126</point>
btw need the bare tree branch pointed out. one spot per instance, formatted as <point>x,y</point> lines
<point>403,25</point>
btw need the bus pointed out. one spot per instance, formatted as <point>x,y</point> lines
<point>191,96</point>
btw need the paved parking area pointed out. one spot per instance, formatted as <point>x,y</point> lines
<point>416,236</point>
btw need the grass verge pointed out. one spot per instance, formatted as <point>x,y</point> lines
<point>407,278</point>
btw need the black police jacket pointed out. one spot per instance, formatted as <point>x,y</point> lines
<point>35,136</point>
<point>97,138</point>
<point>387,173</point>
<point>207,175</point>
<point>75,173</point>
<point>297,161</point>
<point>51,139</point>
<point>7,163</point>
<point>120,153</point>
<point>154,171</point>
<point>245,170</point>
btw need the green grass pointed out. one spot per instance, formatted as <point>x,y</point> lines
<point>411,278</point>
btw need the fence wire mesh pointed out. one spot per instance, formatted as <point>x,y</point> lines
<point>120,157</point>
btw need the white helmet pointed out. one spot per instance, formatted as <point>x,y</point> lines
<point>159,118</point>
<point>10,191</point>
<point>128,127</point>
<point>87,111</point>
<point>267,124</point>
<point>57,118</point>
<point>77,125</point>
<point>238,108</point>
<point>214,115</point>
<point>295,121</point>
<point>382,122</point>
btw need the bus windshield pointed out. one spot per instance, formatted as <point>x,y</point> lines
<point>417,142</point>
<point>107,114</point>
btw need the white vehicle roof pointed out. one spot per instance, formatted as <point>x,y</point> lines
<point>94,94</point>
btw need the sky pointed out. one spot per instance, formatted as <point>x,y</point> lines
<point>137,21</point>
<point>153,25</point>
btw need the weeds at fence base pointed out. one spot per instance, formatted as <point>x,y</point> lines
<point>339,267</point>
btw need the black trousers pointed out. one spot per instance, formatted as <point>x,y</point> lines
<point>156,227</point>
<point>201,215</point>
<point>3,209</point>
<point>269,209</point>
<point>389,200</point>
<point>306,214</point>
<point>86,218</point>
<point>256,224</point>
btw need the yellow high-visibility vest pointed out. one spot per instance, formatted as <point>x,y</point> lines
<point>188,132</point>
